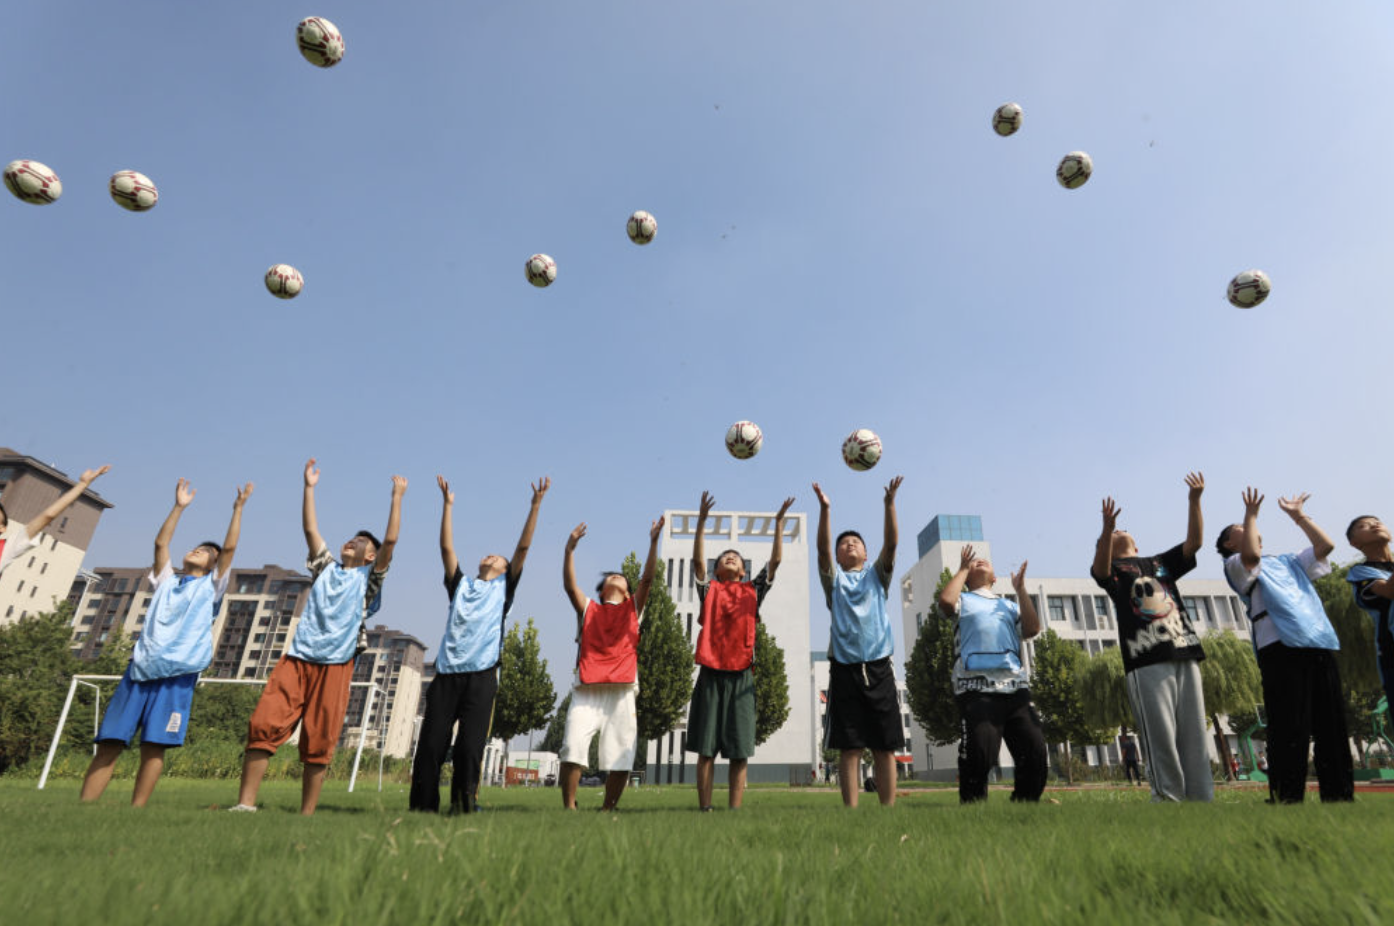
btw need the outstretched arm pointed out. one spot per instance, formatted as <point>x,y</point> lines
<point>777,554</point>
<point>892,532</point>
<point>641,596</point>
<point>568,574</point>
<point>1195,526</point>
<point>394,525</point>
<point>1030,620</point>
<point>1103,550</point>
<point>1248,547</point>
<point>234,530</point>
<point>45,517</point>
<point>520,553</point>
<point>447,529</point>
<point>699,558</point>
<point>825,533</point>
<point>182,496</point>
<point>1321,544</point>
<point>308,520</point>
<point>949,595</point>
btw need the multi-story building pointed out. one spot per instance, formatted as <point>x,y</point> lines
<point>905,759</point>
<point>394,662</point>
<point>41,578</point>
<point>788,755</point>
<point>1075,608</point>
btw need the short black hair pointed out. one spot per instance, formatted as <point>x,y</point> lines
<point>5,514</point>
<point>1223,539</point>
<point>838,541</point>
<point>217,547</point>
<point>1349,530</point>
<point>599,586</point>
<point>377,544</point>
<point>720,555</point>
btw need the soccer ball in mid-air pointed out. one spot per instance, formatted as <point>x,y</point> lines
<point>320,42</point>
<point>1006,119</point>
<point>541,270</point>
<point>743,439</point>
<point>861,450</point>
<point>284,281</point>
<point>33,182</point>
<point>641,227</point>
<point>1248,289</point>
<point>133,191</point>
<point>1074,170</point>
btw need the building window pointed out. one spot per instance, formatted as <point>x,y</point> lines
<point>43,567</point>
<point>32,590</point>
<point>31,562</point>
<point>10,610</point>
<point>20,588</point>
<point>1101,609</point>
<point>63,525</point>
<point>1056,605</point>
<point>251,585</point>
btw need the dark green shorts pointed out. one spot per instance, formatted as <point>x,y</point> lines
<point>722,717</point>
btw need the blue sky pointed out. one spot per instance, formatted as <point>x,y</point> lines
<point>843,242</point>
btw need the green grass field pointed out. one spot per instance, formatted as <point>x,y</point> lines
<point>793,857</point>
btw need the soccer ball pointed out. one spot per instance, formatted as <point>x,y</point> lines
<point>641,227</point>
<point>861,450</point>
<point>284,282</point>
<point>320,42</point>
<point>1006,119</point>
<point>33,182</point>
<point>1074,170</point>
<point>541,270</point>
<point>133,191</point>
<point>1248,289</point>
<point>743,439</point>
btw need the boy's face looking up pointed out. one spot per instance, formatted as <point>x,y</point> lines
<point>1234,538</point>
<point>492,566</point>
<point>980,574</point>
<point>850,553</point>
<point>1123,544</point>
<point>1368,532</point>
<point>614,588</point>
<point>200,560</point>
<point>358,551</point>
<point>730,567</point>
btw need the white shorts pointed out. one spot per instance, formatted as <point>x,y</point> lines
<point>607,710</point>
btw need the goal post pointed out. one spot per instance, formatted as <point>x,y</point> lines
<point>87,680</point>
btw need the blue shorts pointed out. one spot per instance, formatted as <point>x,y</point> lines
<point>160,708</point>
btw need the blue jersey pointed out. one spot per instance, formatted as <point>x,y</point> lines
<point>1287,597</point>
<point>178,634</point>
<point>987,645</point>
<point>473,639</point>
<point>861,628</point>
<point>341,600</point>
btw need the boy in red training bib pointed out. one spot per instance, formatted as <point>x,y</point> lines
<point>722,716</point>
<point>607,672</point>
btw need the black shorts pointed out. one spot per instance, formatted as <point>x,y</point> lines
<point>863,710</point>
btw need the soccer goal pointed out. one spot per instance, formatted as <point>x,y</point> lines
<point>87,680</point>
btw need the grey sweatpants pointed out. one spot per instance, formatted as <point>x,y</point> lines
<point>1169,708</point>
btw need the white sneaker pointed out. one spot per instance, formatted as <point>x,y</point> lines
<point>242,808</point>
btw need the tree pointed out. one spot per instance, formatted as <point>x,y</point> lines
<point>929,674</point>
<point>1230,678</point>
<point>36,668</point>
<point>1356,658</point>
<point>1103,691</point>
<point>526,695</point>
<point>771,685</point>
<point>1056,674</point>
<point>665,658</point>
<point>556,730</point>
<point>220,713</point>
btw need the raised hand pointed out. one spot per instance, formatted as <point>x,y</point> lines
<point>183,494</point>
<point>445,493</point>
<point>576,535</point>
<point>1252,500</point>
<point>705,506</point>
<point>965,556</point>
<point>656,530</point>
<point>1293,506</point>
<point>1019,579</point>
<point>784,508</point>
<point>311,474</point>
<point>89,475</point>
<point>892,488</point>
<point>242,495</point>
<point>539,489</point>
<point>1196,482</point>
<point>399,486</point>
<point>822,499</point>
<point>1111,513</point>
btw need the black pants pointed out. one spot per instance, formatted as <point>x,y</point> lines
<point>986,720</point>
<point>466,698</point>
<point>1132,771</point>
<point>1302,692</point>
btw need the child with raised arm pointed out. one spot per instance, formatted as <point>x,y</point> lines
<point>17,538</point>
<point>991,682</point>
<point>607,672</point>
<point>1161,651</point>
<point>1374,589</point>
<point>310,683</point>
<point>863,708</point>
<point>722,716</point>
<point>467,663</point>
<point>1296,648</point>
<point>157,689</point>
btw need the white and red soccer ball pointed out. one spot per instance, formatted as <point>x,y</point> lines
<point>1248,289</point>
<point>133,191</point>
<point>33,182</point>
<point>541,270</point>
<point>284,282</point>
<point>744,439</point>
<point>641,227</point>
<point>1074,170</point>
<point>861,450</point>
<point>1006,119</point>
<point>320,42</point>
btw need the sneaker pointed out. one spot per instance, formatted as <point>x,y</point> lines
<point>707,809</point>
<point>242,808</point>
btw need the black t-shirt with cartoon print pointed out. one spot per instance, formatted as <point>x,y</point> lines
<point>1153,625</point>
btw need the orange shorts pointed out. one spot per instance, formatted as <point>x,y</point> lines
<point>302,692</point>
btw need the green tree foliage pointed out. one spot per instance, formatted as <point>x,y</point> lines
<point>1355,630</point>
<point>220,713</point>
<point>526,695</point>
<point>1103,691</point>
<point>929,673</point>
<point>665,658</point>
<point>1056,675</point>
<point>556,729</point>
<point>1230,679</point>
<point>771,685</point>
<point>36,668</point>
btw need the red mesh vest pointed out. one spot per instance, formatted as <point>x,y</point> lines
<point>609,644</point>
<point>727,640</point>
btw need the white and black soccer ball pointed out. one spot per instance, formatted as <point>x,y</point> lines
<point>861,450</point>
<point>744,439</point>
<point>1248,289</point>
<point>1074,170</point>
<point>541,270</point>
<point>641,227</point>
<point>284,282</point>
<point>319,41</point>
<point>33,182</point>
<point>1006,119</point>
<point>133,190</point>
